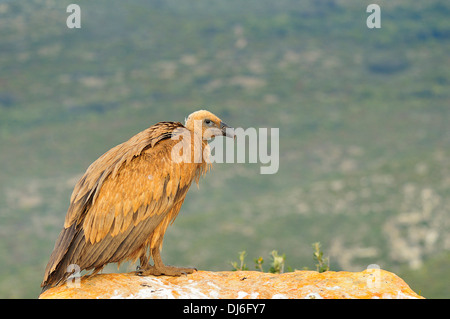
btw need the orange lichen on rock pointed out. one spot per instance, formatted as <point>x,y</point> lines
<point>367,284</point>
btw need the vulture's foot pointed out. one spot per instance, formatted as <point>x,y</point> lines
<point>159,268</point>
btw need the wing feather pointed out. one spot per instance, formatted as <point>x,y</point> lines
<point>109,165</point>
<point>157,194</point>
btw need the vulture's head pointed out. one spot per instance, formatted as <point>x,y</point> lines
<point>209,124</point>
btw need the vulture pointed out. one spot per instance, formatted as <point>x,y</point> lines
<point>122,205</point>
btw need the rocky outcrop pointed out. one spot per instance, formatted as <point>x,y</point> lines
<point>371,283</point>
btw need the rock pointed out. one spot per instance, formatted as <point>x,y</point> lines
<point>370,283</point>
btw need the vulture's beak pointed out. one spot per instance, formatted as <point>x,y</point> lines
<point>226,130</point>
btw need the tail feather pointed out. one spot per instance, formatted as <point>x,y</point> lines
<point>60,259</point>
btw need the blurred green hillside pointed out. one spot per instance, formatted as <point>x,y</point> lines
<point>363,117</point>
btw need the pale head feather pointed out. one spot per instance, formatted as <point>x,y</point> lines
<point>199,117</point>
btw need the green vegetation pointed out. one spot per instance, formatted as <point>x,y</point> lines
<point>363,117</point>
<point>323,264</point>
<point>242,265</point>
<point>277,264</point>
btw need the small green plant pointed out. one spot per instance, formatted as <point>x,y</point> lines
<point>242,265</point>
<point>323,264</point>
<point>277,263</point>
<point>258,263</point>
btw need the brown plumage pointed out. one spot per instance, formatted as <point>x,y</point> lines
<point>121,207</point>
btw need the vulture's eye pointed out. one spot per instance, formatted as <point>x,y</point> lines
<point>208,122</point>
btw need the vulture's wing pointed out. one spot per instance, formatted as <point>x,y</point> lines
<point>109,164</point>
<point>150,180</point>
